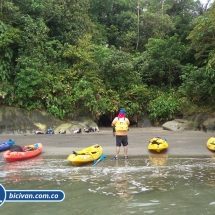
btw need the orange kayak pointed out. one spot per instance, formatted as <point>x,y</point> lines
<point>26,152</point>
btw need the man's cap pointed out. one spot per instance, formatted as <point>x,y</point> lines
<point>122,111</point>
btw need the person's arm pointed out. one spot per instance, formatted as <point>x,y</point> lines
<point>128,122</point>
<point>113,122</point>
<point>113,125</point>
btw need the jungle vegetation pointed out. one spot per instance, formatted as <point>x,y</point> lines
<point>96,56</point>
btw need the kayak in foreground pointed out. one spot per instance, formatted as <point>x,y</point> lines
<point>86,155</point>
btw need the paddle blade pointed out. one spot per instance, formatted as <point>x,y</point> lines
<point>102,157</point>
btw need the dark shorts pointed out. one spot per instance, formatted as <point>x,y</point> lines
<point>121,140</point>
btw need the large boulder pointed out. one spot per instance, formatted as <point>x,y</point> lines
<point>144,121</point>
<point>19,120</point>
<point>209,125</point>
<point>79,123</point>
<point>15,120</point>
<point>177,125</point>
<point>197,122</point>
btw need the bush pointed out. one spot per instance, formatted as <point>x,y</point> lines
<point>163,108</point>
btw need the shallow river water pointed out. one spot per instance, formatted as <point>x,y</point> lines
<point>155,184</point>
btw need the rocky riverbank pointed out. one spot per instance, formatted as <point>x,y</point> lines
<point>21,121</point>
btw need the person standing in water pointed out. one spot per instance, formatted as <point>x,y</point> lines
<point>121,123</point>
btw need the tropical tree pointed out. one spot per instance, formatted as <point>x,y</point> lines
<point>161,63</point>
<point>183,13</point>
<point>154,25</point>
<point>202,38</point>
<point>9,42</point>
<point>198,84</point>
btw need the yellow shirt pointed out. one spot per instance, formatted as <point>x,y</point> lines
<point>120,133</point>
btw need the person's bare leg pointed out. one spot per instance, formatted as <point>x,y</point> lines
<point>126,150</point>
<point>117,151</point>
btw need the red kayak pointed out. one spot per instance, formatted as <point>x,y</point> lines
<point>17,153</point>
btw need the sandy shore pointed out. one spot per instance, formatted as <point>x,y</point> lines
<point>185,143</point>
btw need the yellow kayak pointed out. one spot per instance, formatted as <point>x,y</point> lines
<point>157,144</point>
<point>86,155</point>
<point>211,143</point>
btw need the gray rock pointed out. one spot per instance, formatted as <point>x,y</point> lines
<point>197,122</point>
<point>84,122</point>
<point>21,121</point>
<point>177,125</point>
<point>144,121</point>
<point>209,125</point>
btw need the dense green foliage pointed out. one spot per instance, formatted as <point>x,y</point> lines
<point>95,56</point>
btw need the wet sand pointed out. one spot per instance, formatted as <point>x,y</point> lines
<point>184,143</point>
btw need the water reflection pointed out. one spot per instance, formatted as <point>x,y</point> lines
<point>16,171</point>
<point>120,180</point>
<point>210,180</point>
<point>158,159</point>
<point>21,165</point>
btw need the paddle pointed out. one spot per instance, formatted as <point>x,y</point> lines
<point>114,131</point>
<point>102,157</point>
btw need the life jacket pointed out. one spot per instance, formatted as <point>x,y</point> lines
<point>16,148</point>
<point>121,125</point>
